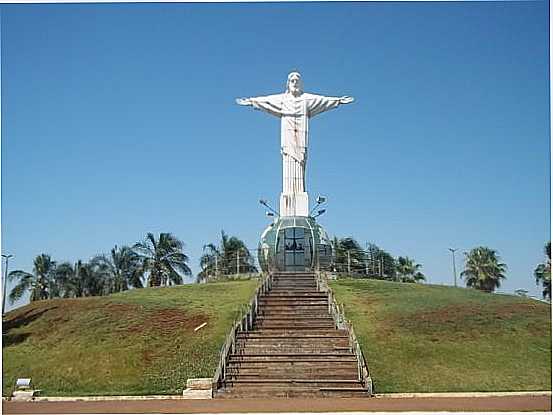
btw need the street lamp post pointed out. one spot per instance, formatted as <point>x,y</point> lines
<point>454,270</point>
<point>7,258</point>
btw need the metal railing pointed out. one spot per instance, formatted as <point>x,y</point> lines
<point>342,323</point>
<point>243,324</point>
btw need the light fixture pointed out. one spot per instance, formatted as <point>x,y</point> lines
<point>319,213</point>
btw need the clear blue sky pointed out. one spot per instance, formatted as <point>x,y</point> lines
<point>119,119</point>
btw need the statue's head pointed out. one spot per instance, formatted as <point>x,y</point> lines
<point>294,85</point>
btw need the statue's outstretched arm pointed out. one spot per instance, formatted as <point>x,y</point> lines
<point>271,104</point>
<point>320,103</point>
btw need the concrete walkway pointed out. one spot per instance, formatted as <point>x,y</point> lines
<point>510,403</point>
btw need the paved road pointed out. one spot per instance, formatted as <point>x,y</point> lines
<point>509,403</point>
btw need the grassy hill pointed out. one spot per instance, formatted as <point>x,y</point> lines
<point>136,342</point>
<point>425,338</point>
<point>416,338</point>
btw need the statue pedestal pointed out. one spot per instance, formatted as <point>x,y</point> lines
<point>294,204</point>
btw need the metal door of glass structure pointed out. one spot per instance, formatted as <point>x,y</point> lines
<point>294,249</point>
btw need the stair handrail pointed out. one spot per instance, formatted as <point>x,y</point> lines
<point>244,323</point>
<point>338,315</point>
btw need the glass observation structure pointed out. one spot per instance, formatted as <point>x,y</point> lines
<point>294,243</point>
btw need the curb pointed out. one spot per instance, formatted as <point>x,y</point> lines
<point>377,396</point>
<point>462,394</point>
<point>100,398</point>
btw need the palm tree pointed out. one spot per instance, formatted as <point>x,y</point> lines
<point>483,270</point>
<point>211,262</point>
<point>408,270</point>
<point>543,273</point>
<point>230,257</point>
<point>80,280</point>
<point>119,270</point>
<point>162,259</point>
<point>41,282</point>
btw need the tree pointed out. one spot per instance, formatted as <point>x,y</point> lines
<point>163,259</point>
<point>349,256</point>
<point>408,270</point>
<point>231,256</point>
<point>542,273</point>
<point>41,282</point>
<point>380,264</point>
<point>483,270</point>
<point>80,280</point>
<point>119,270</point>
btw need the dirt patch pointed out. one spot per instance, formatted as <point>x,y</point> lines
<point>168,321</point>
<point>117,309</point>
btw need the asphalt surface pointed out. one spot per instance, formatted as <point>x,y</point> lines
<point>457,404</point>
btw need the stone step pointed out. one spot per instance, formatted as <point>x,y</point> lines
<point>309,299</point>
<point>293,284</point>
<point>265,311</point>
<point>294,277</point>
<point>287,392</point>
<point>314,309</point>
<point>284,339</point>
<point>292,357</point>
<point>293,319</point>
<point>293,324</point>
<point>267,326</point>
<point>304,349</point>
<point>284,369</point>
<point>294,273</point>
<point>272,361</point>
<point>293,306</point>
<point>322,312</point>
<point>296,293</point>
<point>291,383</point>
<point>301,296</point>
<point>264,335</point>
<point>294,287</point>
<point>313,374</point>
<point>291,348</point>
<point>291,302</point>
<point>250,374</point>
<point>293,316</point>
<point>304,332</point>
<point>305,373</point>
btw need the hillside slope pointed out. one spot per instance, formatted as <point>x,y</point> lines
<point>136,342</point>
<point>425,338</point>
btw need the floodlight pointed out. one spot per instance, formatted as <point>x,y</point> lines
<point>319,213</point>
<point>23,383</point>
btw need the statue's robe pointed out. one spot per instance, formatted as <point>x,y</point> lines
<point>294,113</point>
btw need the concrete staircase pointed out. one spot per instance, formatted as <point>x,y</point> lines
<point>293,349</point>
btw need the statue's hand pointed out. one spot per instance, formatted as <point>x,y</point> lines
<point>346,100</point>
<point>243,101</point>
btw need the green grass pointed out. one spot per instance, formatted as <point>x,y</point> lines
<point>136,342</point>
<point>425,338</point>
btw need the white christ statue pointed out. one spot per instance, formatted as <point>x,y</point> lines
<point>294,108</point>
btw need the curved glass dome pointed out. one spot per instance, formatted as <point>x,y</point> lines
<point>294,243</point>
